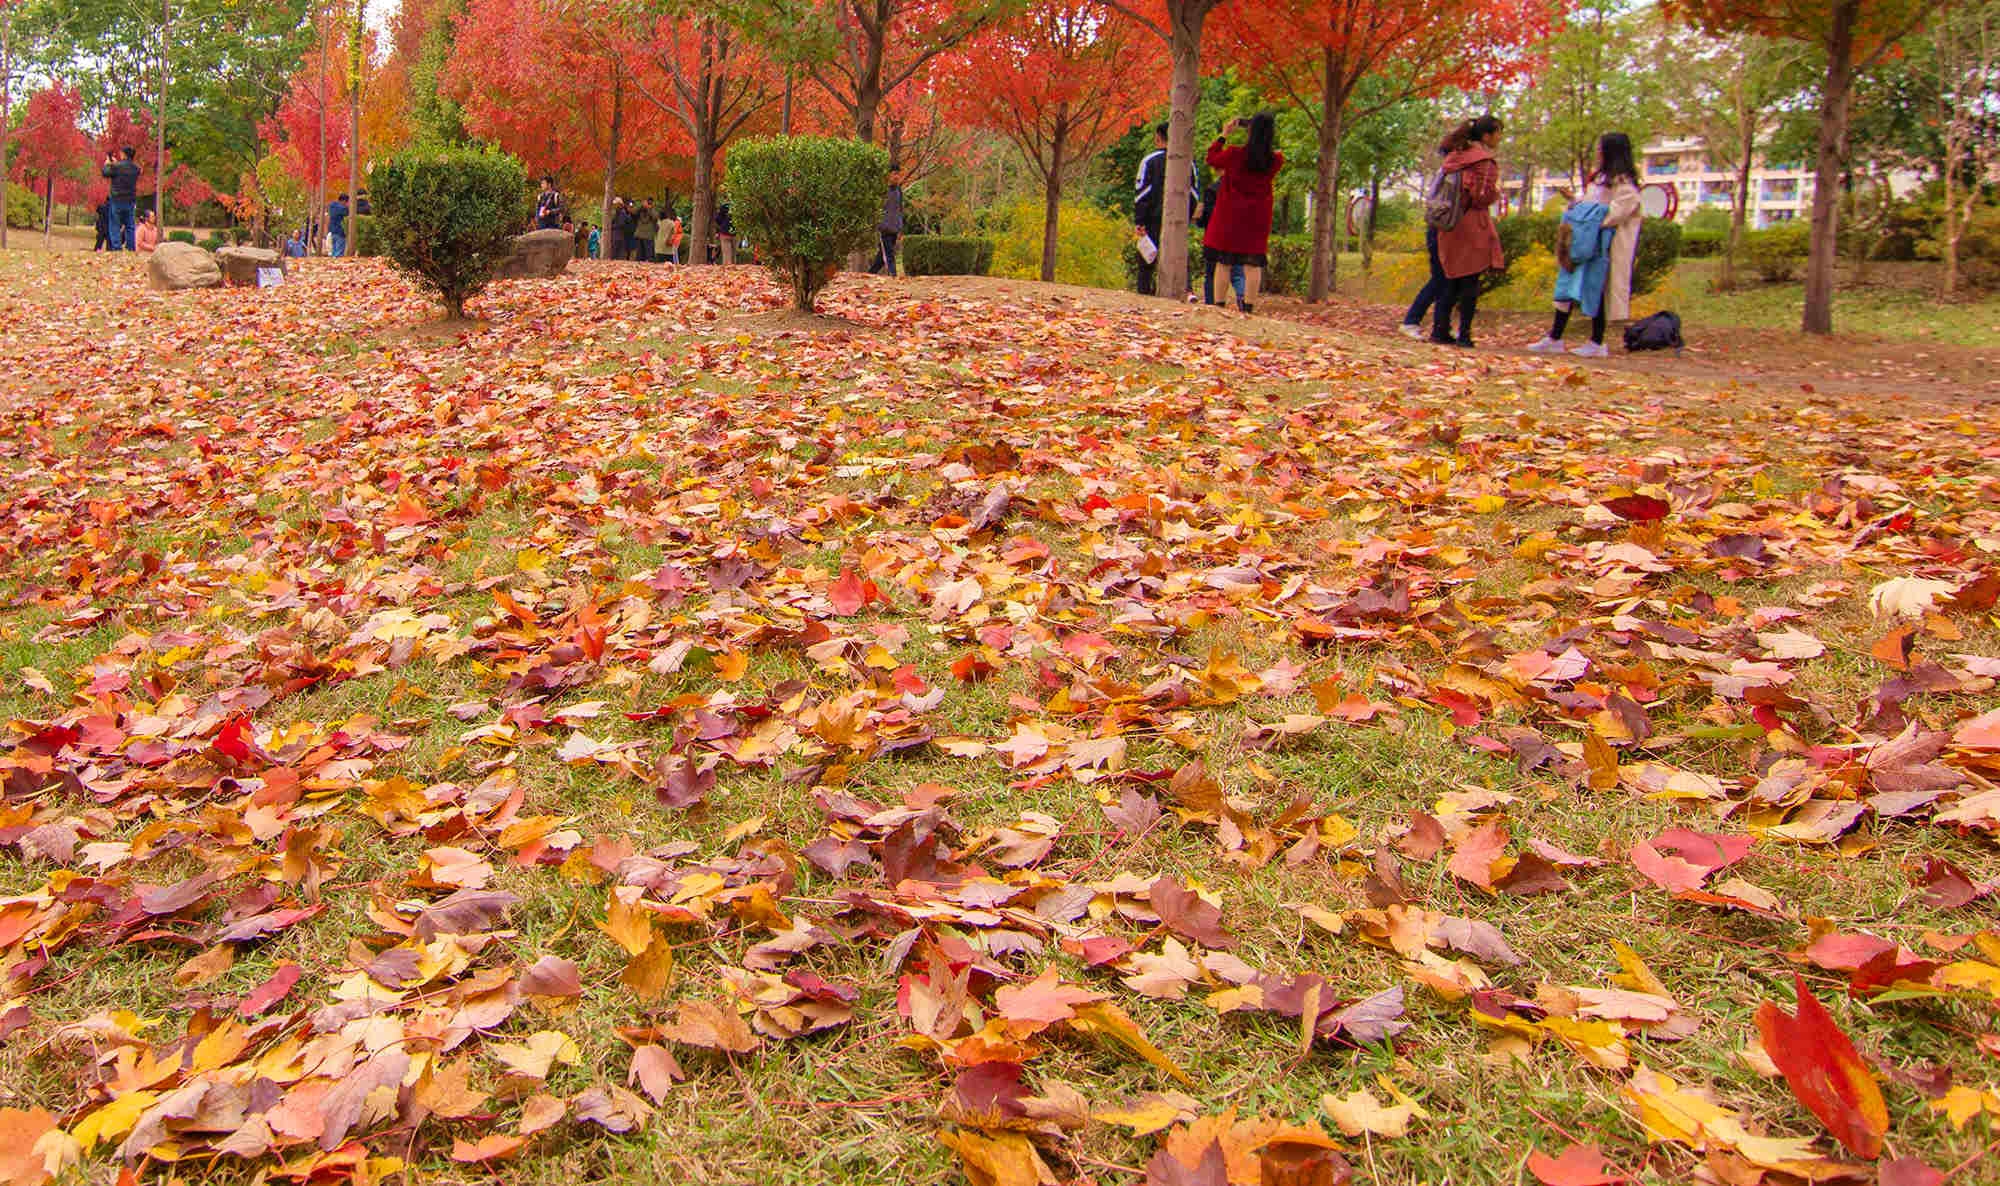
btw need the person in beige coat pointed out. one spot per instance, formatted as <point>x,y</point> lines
<point>1615,184</point>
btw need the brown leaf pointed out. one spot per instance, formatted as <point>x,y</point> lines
<point>710,1026</point>
<point>655,1071</point>
<point>1188,913</point>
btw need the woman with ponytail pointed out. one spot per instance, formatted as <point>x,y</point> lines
<point>1468,244</point>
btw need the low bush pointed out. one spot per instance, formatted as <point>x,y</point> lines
<point>1291,265</point>
<point>1703,243</point>
<point>1130,255</point>
<point>181,237</point>
<point>364,235</point>
<point>215,242</point>
<point>447,215</point>
<point>807,202</point>
<point>1519,233</point>
<point>1777,252</point>
<point>1090,243</point>
<point>1659,250</point>
<point>24,208</point>
<point>947,255</point>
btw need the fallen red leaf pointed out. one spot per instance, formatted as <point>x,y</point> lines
<point>1825,1071</point>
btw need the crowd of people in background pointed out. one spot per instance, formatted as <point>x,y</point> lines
<point>644,231</point>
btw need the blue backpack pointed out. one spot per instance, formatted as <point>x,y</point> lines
<point>1661,331</point>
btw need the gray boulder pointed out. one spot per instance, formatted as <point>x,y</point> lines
<point>539,255</point>
<point>239,264</point>
<point>176,266</point>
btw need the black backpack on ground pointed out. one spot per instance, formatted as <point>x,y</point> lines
<point>1661,331</point>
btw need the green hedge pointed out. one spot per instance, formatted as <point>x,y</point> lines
<point>215,242</point>
<point>1779,251</point>
<point>1697,243</point>
<point>1659,250</point>
<point>181,237</point>
<point>947,255</point>
<point>364,235</point>
<point>807,202</point>
<point>447,216</point>
<point>1291,259</point>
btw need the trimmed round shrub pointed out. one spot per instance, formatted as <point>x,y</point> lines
<point>1777,252</point>
<point>947,255</point>
<point>186,237</point>
<point>806,203</point>
<point>447,215</point>
<point>364,235</point>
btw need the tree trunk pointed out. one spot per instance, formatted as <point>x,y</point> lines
<point>319,163</point>
<point>703,215</point>
<point>6,107</point>
<point>1326,188</point>
<point>1184,44</point>
<point>611,156</point>
<point>1052,197</point>
<point>785,111</point>
<point>1836,100</point>
<point>355,61</point>
<point>48,206</point>
<point>160,129</point>
<point>1740,208</point>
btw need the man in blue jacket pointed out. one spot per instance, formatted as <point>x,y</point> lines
<point>123,222</point>
<point>336,224</point>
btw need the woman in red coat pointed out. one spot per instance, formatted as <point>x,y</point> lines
<point>1467,249</point>
<point>1239,228</point>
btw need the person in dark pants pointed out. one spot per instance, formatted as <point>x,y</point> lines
<point>1148,210</point>
<point>725,234</point>
<point>549,213</point>
<point>1413,321</point>
<point>336,225</point>
<point>1210,257</point>
<point>103,225</point>
<point>645,225</point>
<point>890,228</point>
<point>122,222</point>
<point>1469,248</point>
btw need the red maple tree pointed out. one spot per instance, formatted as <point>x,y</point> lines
<point>713,79</point>
<point>1060,81</point>
<point>882,46</point>
<point>1318,51</point>
<point>555,84</point>
<point>50,148</point>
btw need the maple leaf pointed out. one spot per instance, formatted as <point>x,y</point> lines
<point>1041,1002</point>
<point>1188,913</point>
<point>1678,860</point>
<point>712,1027</point>
<point>1824,1071</point>
<point>1576,1165</point>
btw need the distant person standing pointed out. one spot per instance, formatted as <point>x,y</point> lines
<point>361,204</point>
<point>1468,242</point>
<point>123,173</point>
<point>548,206</point>
<point>891,227</point>
<point>725,233</point>
<point>103,225</point>
<point>1239,228</point>
<point>644,228</point>
<point>1149,208</point>
<point>336,225</point>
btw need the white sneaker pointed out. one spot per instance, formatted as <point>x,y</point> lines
<point>1549,346</point>
<point>1591,350</point>
<point>1410,331</point>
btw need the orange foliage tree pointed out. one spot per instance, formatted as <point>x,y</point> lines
<point>710,75</point>
<point>1854,35</point>
<point>881,46</point>
<point>1318,51</point>
<point>1060,81</point>
<point>555,84</point>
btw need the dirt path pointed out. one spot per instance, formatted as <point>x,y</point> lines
<point>1891,369</point>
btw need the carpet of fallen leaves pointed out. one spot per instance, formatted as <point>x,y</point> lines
<point>986,733</point>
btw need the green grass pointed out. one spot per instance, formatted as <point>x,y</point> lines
<point>1204,469</point>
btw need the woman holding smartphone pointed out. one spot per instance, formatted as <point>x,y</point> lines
<point>1239,226</point>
